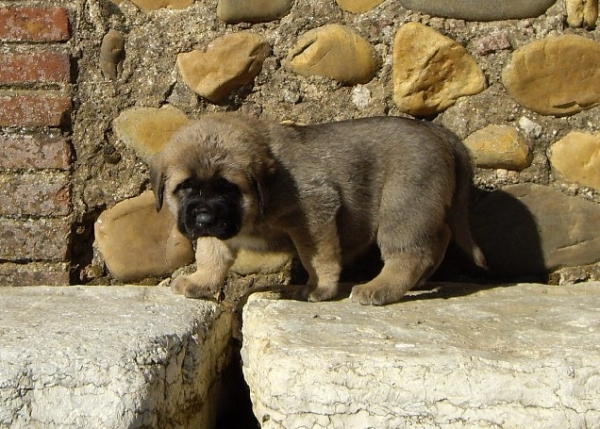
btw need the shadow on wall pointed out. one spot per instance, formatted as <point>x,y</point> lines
<point>507,232</point>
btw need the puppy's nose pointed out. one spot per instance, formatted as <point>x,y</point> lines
<point>204,218</point>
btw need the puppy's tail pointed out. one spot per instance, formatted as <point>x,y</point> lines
<point>458,217</point>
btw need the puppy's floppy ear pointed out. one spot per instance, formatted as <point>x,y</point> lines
<point>259,182</point>
<point>157,180</point>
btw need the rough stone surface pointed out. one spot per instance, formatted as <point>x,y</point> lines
<point>431,71</point>
<point>150,5</point>
<point>229,62</point>
<point>147,129</point>
<point>457,356</point>
<point>531,229</point>
<point>577,157</point>
<point>233,11</point>
<point>480,10</point>
<point>556,75</point>
<point>109,357</point>
<point>359,6</point>
<point>499,146</point>
<point>334,51</point>
<point>582,13</point>
<point>137,242</point>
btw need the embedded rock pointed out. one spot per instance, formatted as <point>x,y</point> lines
<point>359,6</point>
<point>556,75</point>
<point>531,229</point>
<point>334,51</point>
<point>234,11</point>
<point>577,158</point>
<point>499,146</point>
<point>147,129</point>
<point>431,71</point>
<point>229,62</point>
<point>138,242</point>
<point>582,13</point>
<point>150,5</point>
<point>480,10</point>
<point>456,356</point>
<point>110,357</point>
<point>253,262</point>
<point>112,54</point>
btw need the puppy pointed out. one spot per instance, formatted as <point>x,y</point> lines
<point>328,191</point>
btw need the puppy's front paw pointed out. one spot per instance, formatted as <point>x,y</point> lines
<point>370,294</point>
<point>315,294</point>
<point>185,285</point>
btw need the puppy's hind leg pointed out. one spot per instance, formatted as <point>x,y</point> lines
<point>403,270</point>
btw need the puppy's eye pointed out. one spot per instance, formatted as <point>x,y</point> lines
<point>187,187</point>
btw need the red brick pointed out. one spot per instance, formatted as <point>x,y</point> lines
<point>34,239</point>
<point>32,24</point>
<point>35,194</point>
<point>34,67</point>
<point>34,111</point>
<point>34,152</point>
<point>34,274</point>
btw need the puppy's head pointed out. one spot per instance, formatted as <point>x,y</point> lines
<point>212,175</point>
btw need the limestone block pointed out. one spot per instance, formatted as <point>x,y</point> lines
<point>577,158</point>
<point>499,146</point>
<point>582,13</point>
<point>457,356</point>
<point>229,62</point>
<point>109,357</point>
<point>359,6</point>
<point>431,71</point>
<point>112,53</point>
<point>480,10</point>
<point>138,242</point>
<point>150,5</point>
<point>531,229</point>
<point>556,75</point>
<point>146,129</point>
<point>234,11</point>
<point>334,51</point>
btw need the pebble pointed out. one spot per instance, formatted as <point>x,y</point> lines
<point>499,146</point>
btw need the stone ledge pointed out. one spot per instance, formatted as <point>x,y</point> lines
<point>109,357</point>
<point>456,357</point>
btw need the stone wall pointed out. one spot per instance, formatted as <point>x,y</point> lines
<point>520,82</point>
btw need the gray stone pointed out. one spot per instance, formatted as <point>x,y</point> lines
<point>109,357</point>
<point>480,10</point>
<point>523,356</point>
<point>112,54</point>
<point>532,229</point>
<point>233,11</point>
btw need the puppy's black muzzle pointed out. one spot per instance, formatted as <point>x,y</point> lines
<point>210,209</point>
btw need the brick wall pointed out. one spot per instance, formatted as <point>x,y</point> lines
<point>35,150</point>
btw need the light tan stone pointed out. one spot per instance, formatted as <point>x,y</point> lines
<point>252,262</point>
<point>146,129</point>
<point>112,53</point>
<point>577,158</point>
<point>358,6</point>
<point>431,71</point>
<point>334,51</point>
<point>499,146</point>
<point>150,5</point>
<point>138,242</point>
<point>556,75</point>
<point>229,62</point>
<point>582,13</point>
<point>233,11</point>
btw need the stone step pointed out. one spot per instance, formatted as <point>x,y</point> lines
<point>109,357</point>
<point>457,356</point>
